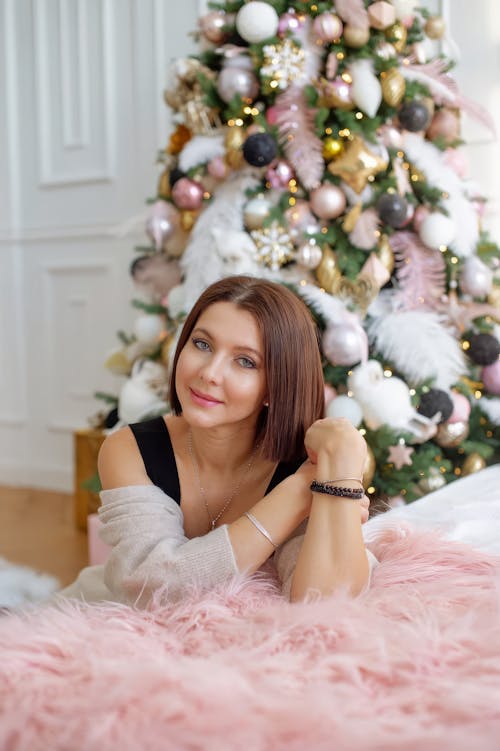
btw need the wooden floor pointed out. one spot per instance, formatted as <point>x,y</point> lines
<point>37,530</point>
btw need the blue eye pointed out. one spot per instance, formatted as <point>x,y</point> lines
<point>245,362</point>
<point>201,344</point>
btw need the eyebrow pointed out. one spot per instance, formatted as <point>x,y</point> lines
<point>240,347</point>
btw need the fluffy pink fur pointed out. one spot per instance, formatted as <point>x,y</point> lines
<point>413,664</point>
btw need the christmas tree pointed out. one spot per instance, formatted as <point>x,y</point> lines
<point>316,144</point>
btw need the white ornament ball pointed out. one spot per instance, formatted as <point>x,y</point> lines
<point>328,201</point>
<point>345,406</point>
<point>437,230</point>
<point>309,254</point>
<point>257,21</point>
<point>345,344</point>
<point>256,212</point>
<point>476,279</point>
<point>148,328</point>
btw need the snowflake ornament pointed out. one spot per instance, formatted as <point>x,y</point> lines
<point>274,246</point>
<point>400,455</point>
<point>283,63</point>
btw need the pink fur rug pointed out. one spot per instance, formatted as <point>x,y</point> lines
<point>413,664</point>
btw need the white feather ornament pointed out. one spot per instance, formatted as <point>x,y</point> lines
<point>366,90</point>
<point>200,150</point>
<point>419,347</point>
<point>429,160</point>
<point>491,407</point>
<point>331,309</point>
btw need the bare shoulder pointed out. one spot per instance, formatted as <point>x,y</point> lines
<point>120,462</point>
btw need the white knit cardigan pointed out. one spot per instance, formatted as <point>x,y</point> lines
<point>144,527</point>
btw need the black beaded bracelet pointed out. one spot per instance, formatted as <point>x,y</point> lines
<point>324,487</point>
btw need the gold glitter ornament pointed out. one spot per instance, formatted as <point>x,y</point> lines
<point>188,219</point>
<point>433,482</point>
<point>332,148</point>
<point>473,463</point>
<point>164,189</point>
<point>393,87</point>
<point>451,434</point>
<point>327,273</point>
<point>369,468</point>
<point>357,164</point>
<point>397,35</point>
<point>355,37</point>
<point>274,246</point>
<point>435,27</point>
<point>385,253</point>
<point>233,141</point>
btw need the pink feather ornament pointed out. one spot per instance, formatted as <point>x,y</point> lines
<point>364,233</point>
<point>303,148</point>
<point>421,273</point>
<point>353,12</point>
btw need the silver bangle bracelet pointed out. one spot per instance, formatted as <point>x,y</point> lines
<point>261,529</point>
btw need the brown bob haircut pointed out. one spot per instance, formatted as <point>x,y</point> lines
<point>292,360</point>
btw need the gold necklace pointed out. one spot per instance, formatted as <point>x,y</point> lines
<point>213,520</point>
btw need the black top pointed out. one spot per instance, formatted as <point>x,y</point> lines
<point>153,440</point>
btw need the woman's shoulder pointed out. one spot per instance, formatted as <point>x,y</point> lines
<point>119,462</point>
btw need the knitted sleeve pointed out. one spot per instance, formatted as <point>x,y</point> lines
<point>144,527</point>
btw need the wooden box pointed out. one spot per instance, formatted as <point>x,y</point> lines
<point>86,448</point>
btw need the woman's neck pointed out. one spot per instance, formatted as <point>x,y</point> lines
<point>224,448</point>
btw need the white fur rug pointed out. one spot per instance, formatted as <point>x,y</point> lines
<point>20,585</point>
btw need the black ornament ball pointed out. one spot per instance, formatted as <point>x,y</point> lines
<point>111,418</point>
<point>260,149</point>
<point>392,209</point>
<point>484,349</point>
<point>434,401</point>
<point>414,116</point>
<point>175,175</point>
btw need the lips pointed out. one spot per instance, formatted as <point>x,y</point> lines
<point>204,400</point>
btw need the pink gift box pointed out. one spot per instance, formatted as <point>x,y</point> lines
<point>98,550</point>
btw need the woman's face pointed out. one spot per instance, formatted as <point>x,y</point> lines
<point>220,377</point>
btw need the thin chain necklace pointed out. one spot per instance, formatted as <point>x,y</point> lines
<point>214,519</point>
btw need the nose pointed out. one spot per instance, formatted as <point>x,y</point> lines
<point>211,370</point>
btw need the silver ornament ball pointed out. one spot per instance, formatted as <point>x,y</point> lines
<point>309,254</point>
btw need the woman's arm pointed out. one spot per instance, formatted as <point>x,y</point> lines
<point>333,554</point>
<point>145,529</point>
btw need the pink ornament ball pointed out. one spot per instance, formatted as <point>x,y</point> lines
<point>279,174</point>
<point>461,408</point>
<point>271,115</point>
<point>299,216</point>
<point>217,168</point>
<point>213,26</point>
<point>328,27</point>
<point>445,125</point>
<point>330,393</point>
<point>490,376</point>
<point>421,213</point>
<point>162,223</point>
<point>328,201</point>
<point>289,23</point>
<point>187,194</point>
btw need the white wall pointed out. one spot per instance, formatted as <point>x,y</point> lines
<point>82,83</point>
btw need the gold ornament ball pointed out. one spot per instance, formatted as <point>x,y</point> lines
<point>393,87</point>
<point>355,37</point>
<point>451,434</point>
<point>369,468</point>
<point>164,189</point>
<point>327,273</point>
<point>188,219</point>
<point>233,141</point>
<point>473,463</point>
<point>385,254</point>
<point>435,27</point>
<point>431,483</point>
<point>332,148</point>
<point>397,35</point>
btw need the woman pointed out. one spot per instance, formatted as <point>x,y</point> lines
<point>215,488</point>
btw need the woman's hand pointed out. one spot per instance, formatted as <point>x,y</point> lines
<point>337,447</point>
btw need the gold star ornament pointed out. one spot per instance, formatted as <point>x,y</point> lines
<point>357,164</point>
